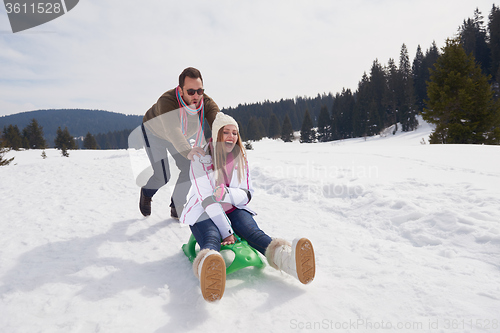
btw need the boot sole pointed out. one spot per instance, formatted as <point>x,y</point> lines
<point>213,278</point>
<point>304,258</point>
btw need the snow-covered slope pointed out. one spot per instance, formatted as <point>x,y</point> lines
<point>407,236</point>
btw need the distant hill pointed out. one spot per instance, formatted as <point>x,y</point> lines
<point>78,121</point>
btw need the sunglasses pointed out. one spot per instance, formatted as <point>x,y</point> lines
<point>192,91</point>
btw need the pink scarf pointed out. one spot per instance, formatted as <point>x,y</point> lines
<point>184,110</point>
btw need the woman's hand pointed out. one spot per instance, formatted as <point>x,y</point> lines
<point>229,240</point>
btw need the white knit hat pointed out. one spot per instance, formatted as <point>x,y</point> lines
<point>221,120</point>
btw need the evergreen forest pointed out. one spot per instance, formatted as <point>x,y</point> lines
<point>109,128</point>
<point>464,105</point>
<point>390,94</point>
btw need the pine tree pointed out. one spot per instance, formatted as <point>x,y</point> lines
<point>394,93</point>
<point>274,127</point>
<point>494,36</point>
<point>4,150</point>
<point>89,142</point>
<point>419,84</point>
<point>307,132</point>
<point>324,125</point>
<point>408,113</point>
<point>287,130</point>
<point>262,129</point>
<point>12,138</point>
<point>335,119</point>
<point>243,132</point>
<point>34,135</point>
<point>377,112</point>
<point>342,121</point>
<point>248,145</point>
<point>64,141</point>
<point>461,102</point>
<point>431,56</point>
<point>253,130</point>
<point>360,116</point>
<point>370,114</point>
<point>475,40</point>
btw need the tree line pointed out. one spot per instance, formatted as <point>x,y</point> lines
<point>397,92</point>
<point>388,94</point>
<point>32,137</point>
<point>457,89</point>
<point>78,121</point>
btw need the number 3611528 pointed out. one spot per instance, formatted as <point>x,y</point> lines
<point>39,8</point>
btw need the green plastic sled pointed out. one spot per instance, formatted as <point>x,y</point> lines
<point>244,254</point>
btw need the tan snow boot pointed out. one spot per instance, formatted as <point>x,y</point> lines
<point>296,259</point>
<point>210,268</point>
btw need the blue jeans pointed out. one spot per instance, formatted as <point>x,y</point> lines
<point>208,236</point>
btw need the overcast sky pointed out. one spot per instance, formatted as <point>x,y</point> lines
<point>121,55</point>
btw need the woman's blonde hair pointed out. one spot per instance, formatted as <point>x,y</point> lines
<point>219,158</point>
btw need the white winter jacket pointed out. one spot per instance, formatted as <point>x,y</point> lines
<point>202,187</point>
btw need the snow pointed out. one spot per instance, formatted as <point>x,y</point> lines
<point>406,236</point>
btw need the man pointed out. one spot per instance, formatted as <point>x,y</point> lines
<point>177,116</point>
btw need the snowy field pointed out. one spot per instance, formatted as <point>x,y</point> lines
<point>407,239</point>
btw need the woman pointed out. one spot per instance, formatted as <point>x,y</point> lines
<point>217,209</point>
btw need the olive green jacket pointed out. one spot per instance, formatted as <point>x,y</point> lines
<point>163,120</point>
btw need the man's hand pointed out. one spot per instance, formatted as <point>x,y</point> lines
<point>229,240</point>
<point>219,192</point>
<point>196,151</point>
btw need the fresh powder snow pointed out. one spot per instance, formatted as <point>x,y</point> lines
<point>406,235</point>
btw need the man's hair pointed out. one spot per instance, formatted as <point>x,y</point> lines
<point>189,72</point>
